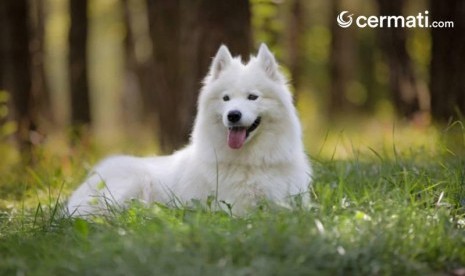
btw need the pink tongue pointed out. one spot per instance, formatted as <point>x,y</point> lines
<point>236,137</point>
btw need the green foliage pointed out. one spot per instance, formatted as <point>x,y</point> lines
<point>8,127</point>
<point>267,24</point>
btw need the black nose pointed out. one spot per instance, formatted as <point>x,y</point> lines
<point>234,116</point>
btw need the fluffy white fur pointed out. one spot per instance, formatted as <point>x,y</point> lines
<point>270,165</point>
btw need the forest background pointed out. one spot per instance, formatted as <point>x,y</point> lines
<point>128,72</point>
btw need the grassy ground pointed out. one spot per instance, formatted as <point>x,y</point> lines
<point>398,211</point>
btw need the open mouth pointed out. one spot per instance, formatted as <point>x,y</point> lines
<point>238,134</point>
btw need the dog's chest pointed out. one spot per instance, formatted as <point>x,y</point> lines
<point>237,182</point>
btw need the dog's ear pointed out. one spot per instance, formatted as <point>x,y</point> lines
<point>268,63</point>
<point>221,60</point>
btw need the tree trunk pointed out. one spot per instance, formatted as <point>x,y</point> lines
<point>447,69</point>
<point>3,43</point>
<point>138,97</point>
<point>3,65</point>
<point>17,69</point>
<point>77,64</point>
<point>296,48</point>
<point>185,36</point>
<point>402,80</point>
<point>40,92</point>
<point>342,63</point>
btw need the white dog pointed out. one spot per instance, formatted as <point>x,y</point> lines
<point>246,146</point>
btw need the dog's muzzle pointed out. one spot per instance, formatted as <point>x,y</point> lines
<point>237,135</point>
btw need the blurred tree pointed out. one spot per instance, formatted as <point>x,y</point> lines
<point>3,43</point>
<point>138,78</point>
<point>16,68</point>
<point>296,47</point>
<point>402,79</point>
<point>370,89</point>
<point>185,36</point>
<point>77,64</point>
<point>342,63</point>
<point>3,61</point>
<point>40,91</point>
<point>447,69</point>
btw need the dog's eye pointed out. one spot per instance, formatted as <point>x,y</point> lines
<point>252,97</point>
<point>225,98</point>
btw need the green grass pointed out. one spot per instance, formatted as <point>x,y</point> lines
<point>373,213</point>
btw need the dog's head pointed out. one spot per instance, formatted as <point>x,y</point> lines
<point>244,98</point>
